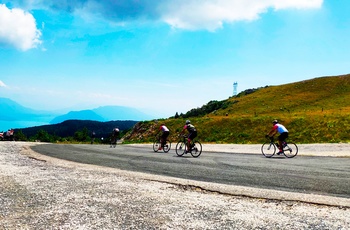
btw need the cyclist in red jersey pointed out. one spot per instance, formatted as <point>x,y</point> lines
<point>192,133</point>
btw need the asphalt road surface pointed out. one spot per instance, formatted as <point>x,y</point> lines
<point>303,174</point>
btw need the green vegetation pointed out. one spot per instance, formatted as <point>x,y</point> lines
<point>314,111</point>
<point>73,131</point>
<point>80,136</point>
<point>211,107</point>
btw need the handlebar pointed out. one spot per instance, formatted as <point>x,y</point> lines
<point>270,138</point>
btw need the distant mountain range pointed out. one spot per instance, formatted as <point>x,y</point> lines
<point>14,115</point>
<point>104,113</point>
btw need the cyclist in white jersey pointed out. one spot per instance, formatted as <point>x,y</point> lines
<point>278,128</point>
<point>164,136</point>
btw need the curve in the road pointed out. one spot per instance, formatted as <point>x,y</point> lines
<point>313,175</point>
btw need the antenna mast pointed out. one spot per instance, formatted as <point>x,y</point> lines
<point>235,88</point>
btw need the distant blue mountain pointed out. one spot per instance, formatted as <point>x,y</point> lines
<point>104,113</point>
<point>78,115</point>
<point>12,111</point>
<point>14,115</point>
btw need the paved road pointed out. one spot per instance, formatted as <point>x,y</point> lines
<point>303,174</point>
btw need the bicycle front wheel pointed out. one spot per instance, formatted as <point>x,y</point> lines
<point>196,149</point>
<point>290,150</point>
<point>180,148</point>
<point>156,146</point>
<point>268,149</point>
<point>167,146</point>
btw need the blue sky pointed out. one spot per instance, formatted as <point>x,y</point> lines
<point>164,56</point>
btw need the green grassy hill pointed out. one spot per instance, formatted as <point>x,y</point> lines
<point>314,111</point>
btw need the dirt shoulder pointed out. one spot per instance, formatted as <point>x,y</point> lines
<point>40,192</point>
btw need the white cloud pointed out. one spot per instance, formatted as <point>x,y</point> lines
<point>298,4</point>
<point>18,28</point>
<point>211,14</point>
<point>2,84</point>
<point>182,14</point>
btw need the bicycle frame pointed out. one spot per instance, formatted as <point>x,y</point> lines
<point>158,143</point>
<point>289,150</point>
<point>181,147</point>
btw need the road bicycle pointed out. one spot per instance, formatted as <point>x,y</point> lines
<point>268,149</point>
<point>113,143</point>
<point>114,140</point>
<point>181,147</point>
<point>158,143</point>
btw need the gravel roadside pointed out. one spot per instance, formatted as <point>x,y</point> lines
<point>39,192</point>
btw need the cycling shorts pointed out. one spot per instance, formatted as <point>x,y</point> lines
<point>283,136</point>
<point>165,134</point>
<point>192,135</point>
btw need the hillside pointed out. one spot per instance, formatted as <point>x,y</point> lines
<point>321,95</point>
<point>314,111</point>
<point>69,127</point>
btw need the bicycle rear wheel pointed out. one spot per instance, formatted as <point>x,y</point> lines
<point>268,149</point>
<point>167,146</point>
<point>290,150</point>
<point>156,146</point>
<point>180,148</point>
<point>196,149</point>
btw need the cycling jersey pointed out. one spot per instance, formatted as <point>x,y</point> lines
<point>164,128</point>
<point>190,128</point>
<point>280,128</point>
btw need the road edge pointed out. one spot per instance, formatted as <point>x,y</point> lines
<point>232,190</point>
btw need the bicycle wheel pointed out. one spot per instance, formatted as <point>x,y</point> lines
<point>113,144</point>
<point>196,149</point>
<point>290,150</point>
<point>180,148</point>
<point>167,146</point>
<point>156,146</point>
<point>268,149</point>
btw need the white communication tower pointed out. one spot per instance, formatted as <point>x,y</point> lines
<point>235,88</point>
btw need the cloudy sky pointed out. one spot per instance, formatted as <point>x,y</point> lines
<point>164,56</point>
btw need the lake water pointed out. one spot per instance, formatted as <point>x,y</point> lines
<point>6,125</point>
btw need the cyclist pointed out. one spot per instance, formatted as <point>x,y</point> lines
<point>192,133</point>
<point>278,128</point>
<point>164,136</point>
<point>115,136</point>
<point>93,135</point>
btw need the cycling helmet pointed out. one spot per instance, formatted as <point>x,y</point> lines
<point>275,122</point>
<point>188,122</point>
